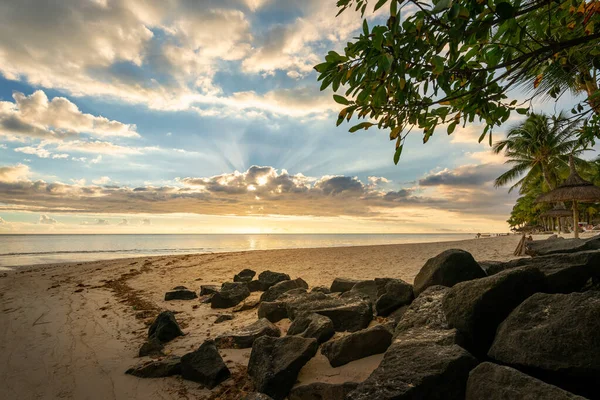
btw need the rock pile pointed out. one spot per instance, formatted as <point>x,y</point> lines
<point>524,329</point>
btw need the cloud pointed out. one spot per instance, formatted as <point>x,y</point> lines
<point>36,151</point>
<point>102,222</point>
<point>464,176</point>
<point>101,181</point>
<point>123,222</point>
<point>146,221</point>
<point>46,220</point>
<point>14,173</point>
<point>35,116</point>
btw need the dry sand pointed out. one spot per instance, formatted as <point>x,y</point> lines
<point>70,331</point>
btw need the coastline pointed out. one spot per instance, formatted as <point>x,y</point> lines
<point>71,330</point>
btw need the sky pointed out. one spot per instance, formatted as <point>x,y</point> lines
<point>183,116</point>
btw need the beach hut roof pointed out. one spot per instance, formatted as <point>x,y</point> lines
<point>573,188</point>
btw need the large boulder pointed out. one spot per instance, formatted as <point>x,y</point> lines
<point>392,294</point>
<point>206,290</point>
<point>267,279</point>
<point>275,363</point>
<point>180,293</point>
<point>477,307</point>
<point>312,325</point>
<point>494,382</point>
<point>341,285</point>
<point>244,275</point>
<point>418,370</point>
<point>322,391</point>
<point>230,295</point>
<point>165,327</point>
<point>366,289</point>
<point>556,337</point>
<point>243,338</point>
<point>273,311</point>
<point>565,273</point>
<point>280,288</point>
<point>424,320</point>
<point>538,248</point>
<point>447,269</point>
<point>204,366</point>
<point>357,345</point>
<point>157,369</point>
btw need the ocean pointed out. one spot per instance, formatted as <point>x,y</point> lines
<point>20,250</point>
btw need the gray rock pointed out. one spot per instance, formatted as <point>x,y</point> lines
<point>565,273</point>
<point>153,347</point>
<point>223,317</point>
<point>447,269</point>
<point>244,338</point>
<point>418,371</point>
<point>165,327</point>
<point>230,295</point>
<point>392,294</point>
<point>245,275</point>
<point>555,336</point>
<point>273,311</point>
<point>366,289</point>
<point>341,285</point>
<point>180,293</point>
<point>246,305</point>
<point>255,286</point>
<point>357,345</point>
<point>157,369</point>
<point>396,316</point>
<point>206,290</point>
<point>204,366</point>
<point>312,326</point>
<point>280,288</point>
<point>320,289</point>
<point>322,391</point>
<point>477,307</point>
<point>538,248</point>
<point>275,363</point>
<point>425,312</point>
<point>494,382</point>
<point>270,278</point>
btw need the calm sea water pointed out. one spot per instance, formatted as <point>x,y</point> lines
<point>19,250</point>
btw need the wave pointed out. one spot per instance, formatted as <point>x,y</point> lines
<point>132,251</point>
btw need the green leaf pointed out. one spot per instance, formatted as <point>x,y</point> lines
<point>438,64</point>
<point>397,154</point>
<point>441,6</point>
<point>340,100</point>
<point>365,27</point>
<point>505,10</point>
<point>380,98</point>
<point>379,4</point>
<point>362,125</point>
<point>522,111</point>
<point>320,68</point>
<point>452,127</point>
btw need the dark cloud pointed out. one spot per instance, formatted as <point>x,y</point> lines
<point>465,176</point>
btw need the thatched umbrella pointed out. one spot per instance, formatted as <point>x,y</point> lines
<point>574,189</point>
<point>559,211</point>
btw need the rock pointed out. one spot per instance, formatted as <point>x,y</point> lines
<point>347,314</point>
<point>254,286</point>
<point>204,366</point>
<point>394,294</point>
<point>418,371</point>
<point>492,267</point>
<point>257,396</point>
<point>273,311</point>
<point>320,289</point>
<point>245,275</point>
<point>341,285</point>
<point>223,317</point>
<point>180,293</point>
<point>397,315</point>
<point>165,327</point>
<point>246,305</point>
<point>270,278</point>
<point>157,369</point>
<point>447,269</point>
<point>230,295</point>
<point>357,345</point>
<point>312,325</point>
<point>280,288</point>
<point>494,382</point>
<point>476,308</point>
<point>565,273</point>
<point>538,248</point>
<point>206,290</point>
<point>275,363</point>
<point>322,391</point>
<point>366,289</point>
<point>153,347</point>
<point>557,338</point>
<point>244,338</point>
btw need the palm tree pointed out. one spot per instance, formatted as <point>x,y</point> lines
<point>538,150</point>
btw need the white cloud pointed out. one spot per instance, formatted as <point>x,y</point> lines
<point>123,222</point>
<point>37,151</point>
<point>101,181</point>
<point>46,220</point>
<point>14,173</point>
<point>78,182</point>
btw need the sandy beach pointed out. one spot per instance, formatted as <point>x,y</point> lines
<point>70,331</point>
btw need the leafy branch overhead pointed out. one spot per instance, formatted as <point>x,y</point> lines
<point>454,62</point>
